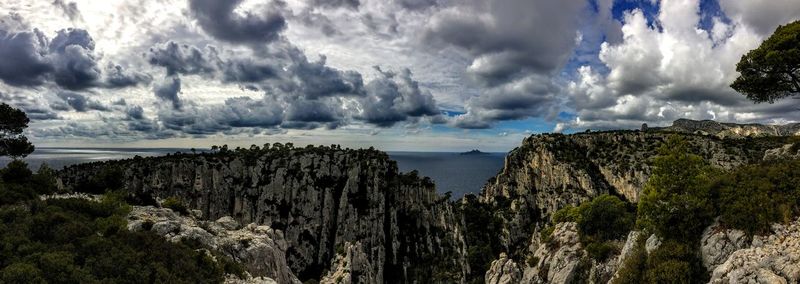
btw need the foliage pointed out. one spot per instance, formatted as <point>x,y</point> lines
<point>109,178</point>
<point>175,204</point>
<point>481,236</point>
<point>604,218</point>
<point>753,197</point>
<point>12,123</point>
<point>772,71</point>
<point>18,183</point>
<point>601,220</point>
<point>81,241</point>
<point>676,202</point>
<point>674,262</point>
<point>567,213</point>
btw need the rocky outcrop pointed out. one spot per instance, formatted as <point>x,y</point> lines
<point>260,249</point>
<point>788,151</point>
<point>718,243</point>
<point>503,271</point>
<point>560,258</point>
<point>770,259</point>
<point>350,266</point>
<point>320,198</point>
<point>733,130</point>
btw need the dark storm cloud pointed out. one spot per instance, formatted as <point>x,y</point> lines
<point>135,112</point>
<point>182,58</point>
<point>310,18</point>
<point>74,61</point>
<point>416,4</point>
<point>30,59</point>
<point>79,102</point>
<point>283,69</point>
<point>118,77</point>
<point>509,38</point>
<point>25,61</point>
<point>394,98</point>
<point>70,9</point>
<point>520,99</point>
<point>351,4</point>
<point>309,114</point>
<point>218,19</point>
<point>316,79</point>
<point>168,90</point>
<point>249,70</point>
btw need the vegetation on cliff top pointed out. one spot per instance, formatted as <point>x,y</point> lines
<point>75,240</point>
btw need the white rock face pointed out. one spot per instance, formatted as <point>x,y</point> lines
<point>717,244</point>
<point>503,271</point>
<point>771,259</point>
<point>260,249</point>
<point>784,152</point>
<point>351,267</point>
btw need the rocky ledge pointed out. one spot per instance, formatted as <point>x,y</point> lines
<point>260,249</point>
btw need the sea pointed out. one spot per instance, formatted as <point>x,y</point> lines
<point>451,172</point>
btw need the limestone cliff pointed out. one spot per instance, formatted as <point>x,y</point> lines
<point>550,171</point>
<point>733,130</point>
<point>322,199</point>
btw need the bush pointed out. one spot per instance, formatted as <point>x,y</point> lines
<point>600,251</point>
<point>676,202</point>
<point>81,241</point>
<point>674,262</point>
<point>567,214</point>
<point>175,204</point>
<point>604,218</point>
<point>753,197</point>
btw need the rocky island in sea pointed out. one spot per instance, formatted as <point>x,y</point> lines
<point>474,152</point>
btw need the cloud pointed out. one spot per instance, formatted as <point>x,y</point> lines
<point>667,70</point>
<point>30,59</point>
<point>393,98</point>
<point>259,25</point>
<point>181,58</point>
<point>79,103</point>
<point>762,15</point>
<point>25,61</point>
<point>350,4</point>
<point>416,4</point>
<point>509,38</point>
<point>534,95</point>
<point>70,9</point>
<point>168,90</point>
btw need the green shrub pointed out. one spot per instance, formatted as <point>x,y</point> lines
<point>600,251</point>
<point>753,197</point>
<point>676,202</point>
<point>566,214</point>
<point>175,204</point>
<point>674,262</point>
<point>546,235</point>
<point>604,218</point>
<point>81,241</point>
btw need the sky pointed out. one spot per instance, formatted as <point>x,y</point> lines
<point>418,75</point>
